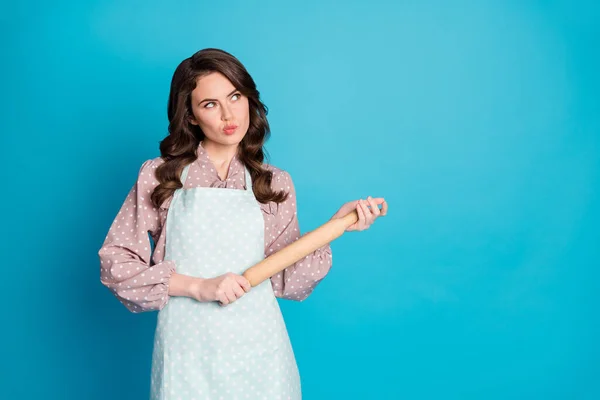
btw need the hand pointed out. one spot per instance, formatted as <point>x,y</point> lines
<point>225,288</point>
<point>366,215</point>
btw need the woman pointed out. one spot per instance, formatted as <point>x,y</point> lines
<point>216,337</point>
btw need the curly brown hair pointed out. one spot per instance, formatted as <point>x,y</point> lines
<point>178,149</point>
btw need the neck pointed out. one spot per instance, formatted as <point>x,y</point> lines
<point>219,154</point>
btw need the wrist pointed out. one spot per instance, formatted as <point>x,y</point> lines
<point>183,285</point>
<point>196,289</point>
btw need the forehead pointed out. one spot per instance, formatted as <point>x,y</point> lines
<point>212,85</point>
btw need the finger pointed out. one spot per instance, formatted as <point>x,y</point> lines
<point>230,295</point>
<point>244,283</point>
<point>374,208</point>
<point>361,215</point>
<point>239,291</point>
<point>379,201</point>
<point>362,218</point>
<point>223,301</point>
<point>384,208</point>
<point>368,215</point>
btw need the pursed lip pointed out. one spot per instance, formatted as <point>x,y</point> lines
<point>230,127</point>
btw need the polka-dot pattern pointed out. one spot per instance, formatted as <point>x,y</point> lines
<point>139,278</point>
<point>206,351</point>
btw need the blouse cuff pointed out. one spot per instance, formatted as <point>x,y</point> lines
<point>157,297</point>
<point>162,289</point>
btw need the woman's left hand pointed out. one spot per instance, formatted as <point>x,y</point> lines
<point>366,215</point>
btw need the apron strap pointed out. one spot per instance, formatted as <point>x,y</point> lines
<point>184,174</point>
<point>248,180</point>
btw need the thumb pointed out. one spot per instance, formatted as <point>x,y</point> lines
<point>244,283</point>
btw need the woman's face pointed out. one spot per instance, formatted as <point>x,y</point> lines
<point>217,105</point>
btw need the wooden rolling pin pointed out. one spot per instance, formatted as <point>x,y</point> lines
<point>299,249</point>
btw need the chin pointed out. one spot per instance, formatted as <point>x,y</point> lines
<point>226,140</point>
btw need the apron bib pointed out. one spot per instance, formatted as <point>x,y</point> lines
<point>206,351</point>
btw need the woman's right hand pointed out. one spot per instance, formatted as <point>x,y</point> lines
<point>225,288</point>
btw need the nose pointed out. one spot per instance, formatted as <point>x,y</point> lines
<point>226,113</point>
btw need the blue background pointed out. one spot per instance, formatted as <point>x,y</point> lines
<point>477,121</point>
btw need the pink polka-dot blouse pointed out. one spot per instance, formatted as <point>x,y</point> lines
<point>139,277</point>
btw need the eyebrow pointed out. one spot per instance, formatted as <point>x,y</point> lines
<point>202,101</point>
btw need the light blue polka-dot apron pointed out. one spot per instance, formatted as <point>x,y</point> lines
<point>203,350</point>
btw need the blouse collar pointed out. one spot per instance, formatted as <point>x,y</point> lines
<point>235,173</point>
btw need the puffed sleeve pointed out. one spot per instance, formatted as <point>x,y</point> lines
<point>297,281</point>
<point>125,256</point>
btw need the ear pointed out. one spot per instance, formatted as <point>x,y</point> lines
<point>192,121</point>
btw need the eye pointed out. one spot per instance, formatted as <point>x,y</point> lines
<point>237,95</point>
<point>207,104</point>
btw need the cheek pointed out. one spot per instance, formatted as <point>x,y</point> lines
<point>241,110</point>
<point>208,120</point>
